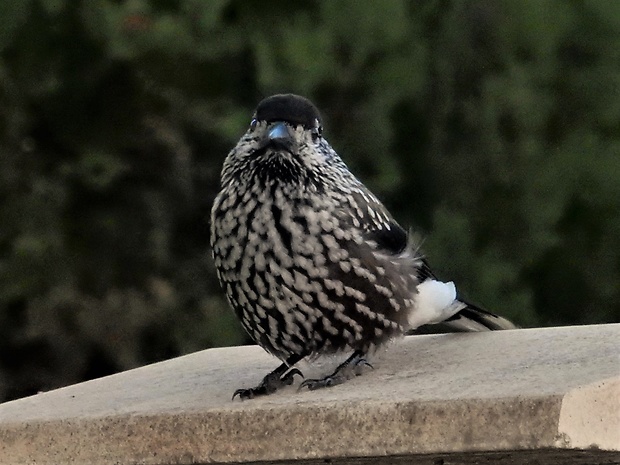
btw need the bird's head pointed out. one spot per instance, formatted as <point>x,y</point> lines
<point>286,122</point>
<point>283,143</point>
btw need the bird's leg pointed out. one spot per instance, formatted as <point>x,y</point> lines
<point>352,366</point>
<point>279,377</point>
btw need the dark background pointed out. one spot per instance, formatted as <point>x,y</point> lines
<point>490,127</point>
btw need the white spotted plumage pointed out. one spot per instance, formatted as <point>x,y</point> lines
<point>290,229</point>
<point>309,258</point>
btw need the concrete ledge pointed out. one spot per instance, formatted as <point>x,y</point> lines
<point>525,396</point>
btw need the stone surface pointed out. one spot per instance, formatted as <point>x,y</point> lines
<point>548,395</point>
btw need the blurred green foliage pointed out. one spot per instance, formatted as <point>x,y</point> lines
<point>492,127</point>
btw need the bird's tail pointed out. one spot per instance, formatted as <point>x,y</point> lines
<point>469,319</point>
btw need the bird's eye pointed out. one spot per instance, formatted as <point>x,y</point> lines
<point>253,123</point>
<point>317,132</point>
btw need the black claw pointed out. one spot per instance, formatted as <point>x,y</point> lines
<point>328,381</point>
<point>359,364</point>
<point>353,366</point>
<point>289,377</point>
<point>245,394</point>
<point>269,385</point>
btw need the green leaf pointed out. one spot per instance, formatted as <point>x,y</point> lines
<point>13,13</point>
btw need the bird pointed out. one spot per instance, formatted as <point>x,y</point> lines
<point>311,261</point>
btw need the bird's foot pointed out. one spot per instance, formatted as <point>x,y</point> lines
<point>270,384</point>
<point>353,366</point>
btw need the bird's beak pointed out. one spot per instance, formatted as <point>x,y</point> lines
<point>279,137</point>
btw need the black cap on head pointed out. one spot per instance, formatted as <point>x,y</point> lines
<point>291,108</point>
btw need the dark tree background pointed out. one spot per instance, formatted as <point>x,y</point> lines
<point>491,127</point>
